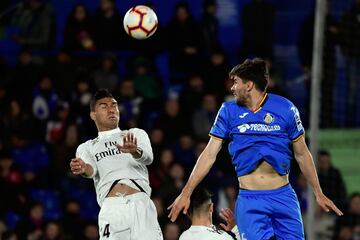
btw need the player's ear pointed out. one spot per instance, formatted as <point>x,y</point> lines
<point>250,85</point>
<point>211,207</point>
<point>92,115</point>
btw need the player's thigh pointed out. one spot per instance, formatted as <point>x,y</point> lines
<point>114,222</point>
<point>145,224</point>
<point>252,218</point>
<point>287,221</point>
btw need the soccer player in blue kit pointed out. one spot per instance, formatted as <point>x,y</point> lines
<point>265,132</point>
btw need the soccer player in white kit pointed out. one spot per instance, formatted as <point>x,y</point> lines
<point>116,160</point>
<point>200,213</point>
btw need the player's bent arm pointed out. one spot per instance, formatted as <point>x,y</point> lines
<point>203,165</point>
<point>306,164</point>
<point>88,171</point>
<point>144,153</point>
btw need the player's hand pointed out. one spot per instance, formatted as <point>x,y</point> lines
<point>326,204</point>
<point>181,203</point>
<point>77,166</point>
<point>129,144</point>
<point>228,216</point>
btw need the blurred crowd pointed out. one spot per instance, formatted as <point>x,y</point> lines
<point>171,85</point>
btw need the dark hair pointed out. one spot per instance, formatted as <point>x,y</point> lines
<point>100,94</point>
<point>324,152</point>
<point>252,70</point>
<point>199,197</point>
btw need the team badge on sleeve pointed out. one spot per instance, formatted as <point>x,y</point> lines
<point>297,119</point>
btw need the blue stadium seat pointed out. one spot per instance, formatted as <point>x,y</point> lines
<point>88,203</point>
<point>51,202</point>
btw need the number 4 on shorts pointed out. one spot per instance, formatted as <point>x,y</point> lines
<point>106,232</point>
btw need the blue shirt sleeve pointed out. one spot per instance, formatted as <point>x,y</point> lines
<point>295,127</point>
<point>220,127</point>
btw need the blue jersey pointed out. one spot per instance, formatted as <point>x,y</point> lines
<point>265,134</point>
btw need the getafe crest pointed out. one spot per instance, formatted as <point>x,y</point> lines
<point>268,118</point>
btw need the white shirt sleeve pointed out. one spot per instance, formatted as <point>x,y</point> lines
<point>235,231</point>
<point>144,144</point>
<point>83,152</point>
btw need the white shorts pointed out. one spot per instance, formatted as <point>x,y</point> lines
<point>131,217</point>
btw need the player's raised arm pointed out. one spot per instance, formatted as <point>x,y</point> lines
<point>201,168</point>
<point>306,164</point>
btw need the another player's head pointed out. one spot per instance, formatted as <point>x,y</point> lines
<point>201,205</point>
<point>251,75</point>
<point>104,110</point>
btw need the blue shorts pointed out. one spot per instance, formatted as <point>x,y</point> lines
<point>262,214</point>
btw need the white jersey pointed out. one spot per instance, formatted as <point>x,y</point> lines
<point>110,164</point>
<point>204,233</point>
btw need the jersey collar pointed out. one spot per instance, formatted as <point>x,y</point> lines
<point>109,132</point>
<point>263,100</point>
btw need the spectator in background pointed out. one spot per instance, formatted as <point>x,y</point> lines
<point>209,26</point>
<point>184,39</point>
<point>305,52</point>
<point>14,120</point>
<point>192,94</point>
<point>350,222</point>
<point>26,73</point>
<point>45,99</point>
<point>91,232</point>
<point>331,180</point>
<point>11,180</point>
<point>80,101</point>
<point>129,103</point>
<point>147,84</point>
<point>217,72</point>
<point>157,141</point>
<point>159,173</point>
<point>9,235</point>
<point>36,21</point>
<point>184,150</point>
<point>78,33</point>
<point>31,157</point>
<point>350,45</point>
<point>108,28</point>
<point>171,121</point>
<point>52,231</point>
<point>171,231</point>
<point>32,226</point>
<point>73,222</point>
<point>106,75</point>
<point>62,70</point>
<point>204,117</point>
<point>257,20</point>
<point>160,209</point>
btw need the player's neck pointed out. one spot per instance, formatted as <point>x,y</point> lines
<point>202,221</point>
<point>256,98</point>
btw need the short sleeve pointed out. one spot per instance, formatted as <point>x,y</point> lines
<point>83,152</point>
<point>295,128</point>
<point>220,127</point>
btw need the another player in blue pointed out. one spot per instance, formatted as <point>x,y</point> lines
<point>265,132</point>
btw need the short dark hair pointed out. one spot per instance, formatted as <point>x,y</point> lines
<point>100,94</point>
<point>199,197</point>
<point>254,70</point>
<point>324,152</point>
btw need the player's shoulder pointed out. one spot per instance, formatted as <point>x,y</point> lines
<point>279,101</point>
<point>137,131</point>
<point>86,145</point>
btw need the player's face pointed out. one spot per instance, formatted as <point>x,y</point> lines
<point>106,114</point>
<point>240,90</point>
